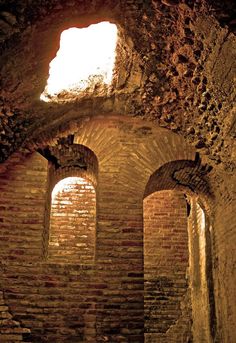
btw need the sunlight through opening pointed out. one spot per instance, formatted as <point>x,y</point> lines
<point>85,60</point>
<point>201,217</point>
<point>72,226</point>
<point>68,184</point>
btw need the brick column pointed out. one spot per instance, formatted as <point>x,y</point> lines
<point>119,259</point>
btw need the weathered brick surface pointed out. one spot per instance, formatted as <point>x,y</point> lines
<point>166,259</point>
<point>51,299</point>
<point>22,206</point>
<point>79,301</point>
<point>10,329</point>
<point>72,221</point>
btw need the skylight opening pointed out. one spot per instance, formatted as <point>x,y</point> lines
<point>84,62</point>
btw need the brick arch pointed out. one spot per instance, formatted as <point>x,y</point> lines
<point>128,152</point>
<point>135,150</point>
<point>150,151</point>
<point>176,197</point>
<point>24,185</point>
<point>69,159</point>
<point>190,176</point>
<point>70,218</point>
<point>150,146</point>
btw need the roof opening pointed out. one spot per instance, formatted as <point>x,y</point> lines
<point>84,62</point>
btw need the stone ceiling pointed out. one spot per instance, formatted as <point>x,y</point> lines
<point>175,67</point>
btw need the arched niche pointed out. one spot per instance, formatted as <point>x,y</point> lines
<point>72,230</point>
<point>178,298</point>
<point>70,215</point>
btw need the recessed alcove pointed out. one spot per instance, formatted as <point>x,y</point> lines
<point>178,301</point>
<point>72,227</point>
<point>166,261</point>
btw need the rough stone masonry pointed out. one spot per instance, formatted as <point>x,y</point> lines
<point>158,151</point>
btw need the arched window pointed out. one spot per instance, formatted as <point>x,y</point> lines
<point>72,221</point>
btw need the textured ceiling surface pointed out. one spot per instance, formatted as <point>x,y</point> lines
<point>175,67</point>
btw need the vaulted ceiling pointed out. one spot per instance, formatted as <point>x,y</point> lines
<point>175,67</point>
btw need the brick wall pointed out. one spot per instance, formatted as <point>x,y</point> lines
<point>77,302</point>
<point>22,206</point>
<point>72,221</point>
<point>56,301</point>
<point>50,299</point>
<point>10,329</point>
<point>166,259</point>
<point>128,154</point>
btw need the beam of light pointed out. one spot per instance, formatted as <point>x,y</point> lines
<point>86,57</point>
<point>201,218</point>
<point>68,184</point>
